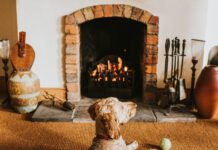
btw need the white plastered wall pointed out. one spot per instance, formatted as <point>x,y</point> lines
<point>42,20</point>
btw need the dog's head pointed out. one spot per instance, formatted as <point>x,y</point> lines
<point>109,113</point>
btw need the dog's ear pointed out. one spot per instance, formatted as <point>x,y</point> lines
<point>92,110</point>
<point>110,125</point>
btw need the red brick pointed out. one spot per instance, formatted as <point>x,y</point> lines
<point>73,97</point>
<point>150,68</point>
<point>151,39</point>
<point>70,68</point>
<point>98,11</point>
<point>72,48</point>
<point>127,11</point>
<point>72,77</point>
<point>70,59</point>
<point>150,78</point>
<point>154,20</point>
<point>72,29</point>
<point>145,17</point>
<point>72,39</point>
<point>72,87</point>
<point>88,13</point>
<point>150,59</point>
<point>70,19</point>
<point>108,11</point>
<point>151,50</point>
<point>152,29</point>
<point>118,10</point>
<point>79,17</point>
<point>136,13</point>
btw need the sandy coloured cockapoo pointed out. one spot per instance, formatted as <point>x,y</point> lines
<point>109,113</point>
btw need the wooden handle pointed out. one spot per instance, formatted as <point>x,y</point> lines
<point>22,43</point>
<point>183,46</point>
<point>178,46</point>
<point>167,46</point>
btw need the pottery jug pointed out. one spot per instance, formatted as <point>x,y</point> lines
<point>206,92</point>
<point>24,91</point>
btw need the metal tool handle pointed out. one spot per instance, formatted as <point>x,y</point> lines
<point>183,47</point>
<point>178,53</point>
<point>183,55</point>
<point>172,55</point>
<point>167,47</point>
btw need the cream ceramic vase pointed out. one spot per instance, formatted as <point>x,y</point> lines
<point>24,91</point>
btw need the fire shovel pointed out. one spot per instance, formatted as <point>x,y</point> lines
<point>180,84</point>
<point>180,89</point>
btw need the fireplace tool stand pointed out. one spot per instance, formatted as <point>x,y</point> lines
<point>193,68</point>
<point>175,84</point>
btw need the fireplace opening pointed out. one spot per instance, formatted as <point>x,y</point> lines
<point>112,58</point>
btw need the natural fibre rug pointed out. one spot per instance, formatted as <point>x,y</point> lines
<point>17,133</point>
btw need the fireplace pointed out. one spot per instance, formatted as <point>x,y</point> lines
<point>111,53</point>
<point>111,50</point>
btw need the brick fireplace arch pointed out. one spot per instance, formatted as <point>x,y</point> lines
<point>72,43</point>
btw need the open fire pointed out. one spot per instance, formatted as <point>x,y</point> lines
<point>110,77</point>
<point>112,73</point>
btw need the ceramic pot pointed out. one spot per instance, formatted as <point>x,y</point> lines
<point>206,92</point>
<point>24,91</point>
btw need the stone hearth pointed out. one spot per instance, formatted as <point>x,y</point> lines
<point>145,113</point>
<point>72,44</point>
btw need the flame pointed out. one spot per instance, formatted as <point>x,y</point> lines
<point>125,69</point>
<point>110,72</point>
<point>120,63</point>
<point>109,65</point>
<point>94,72</point>
<point>114,80</point>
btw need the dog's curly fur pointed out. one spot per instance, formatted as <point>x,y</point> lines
<point>109,113</point>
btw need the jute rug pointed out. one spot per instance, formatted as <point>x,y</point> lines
<point>17,133</point>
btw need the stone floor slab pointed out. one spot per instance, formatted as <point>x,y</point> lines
<point>82,115</point>
<point>50,113</point>
<point>144,114</point>
<point>85,101</point>
<point>174,116</point>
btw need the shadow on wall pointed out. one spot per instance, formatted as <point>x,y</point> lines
<point>1,69</point>
<point>213,56</point>
<point>2,78</point>
<point>63,51</point>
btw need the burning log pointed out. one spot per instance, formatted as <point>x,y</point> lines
<point>111,74</point>
<point>100,68</point>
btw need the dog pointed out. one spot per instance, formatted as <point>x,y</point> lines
<point>108,114</point>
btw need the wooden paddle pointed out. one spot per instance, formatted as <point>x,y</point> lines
<point>22,55</point>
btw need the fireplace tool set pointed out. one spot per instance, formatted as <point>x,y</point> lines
<point>175,83</point>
